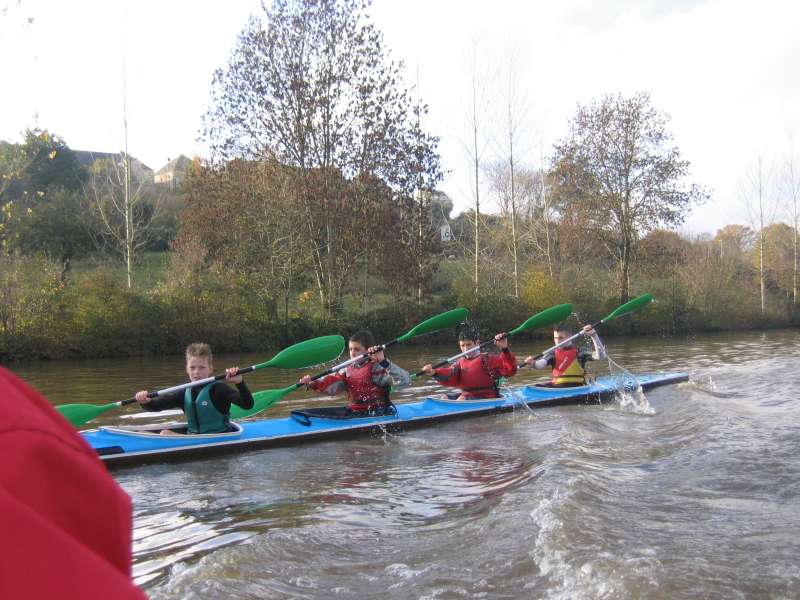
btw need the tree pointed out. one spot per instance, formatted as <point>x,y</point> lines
<point>426,244</point>
<point>510,173</point>
<point>414,246</point>
<point>41,200</point>
<point>791,184</point>
<point>125,210</point>
<point>49,162</point>
<point>738,239</point>
<point>521,232</point>
<point>311,87</point>
<point>759,203</point>
<point>476,109</point>
<point>255,237</point>
<point>54,223</point>
<point>12,161</point>
<point>663,251</point>
<point>778,243</point>
<point>30,292</point>
<point>715,275</point>
<point>618,171</point>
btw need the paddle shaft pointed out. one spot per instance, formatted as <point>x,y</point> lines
<point>188,384</point>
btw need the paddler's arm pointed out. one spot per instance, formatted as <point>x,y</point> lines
<point>399,376</point>
<point>330,385</point>
<point>223,395</point>
<point>541,363</point>
<point>165,402</point>
<point>505,362</point>
<point>388,374</point>
<point>449,375</point>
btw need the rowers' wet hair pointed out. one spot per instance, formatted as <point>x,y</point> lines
<point>468,334</point>
<point>563,328</point>
<point>363,337</point>
<point>199,350</point>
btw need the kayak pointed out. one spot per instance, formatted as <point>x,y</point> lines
<point>139,444</point>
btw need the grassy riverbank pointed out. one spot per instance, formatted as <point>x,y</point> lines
<point>93,314</point>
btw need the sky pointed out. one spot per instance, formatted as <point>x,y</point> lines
<point>725,71</point>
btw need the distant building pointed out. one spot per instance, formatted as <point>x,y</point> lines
<point>140,172</point>
<point>174,172</point>
<point>440,208</point>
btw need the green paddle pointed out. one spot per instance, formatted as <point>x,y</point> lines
<point>551,315</point>
<point>266,398</point>
<point>301,355</point>
<point>624,309</point>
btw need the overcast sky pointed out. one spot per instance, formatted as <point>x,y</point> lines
<point>725,72</point>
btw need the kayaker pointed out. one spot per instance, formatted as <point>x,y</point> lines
<point>208,407</point>
<point>477,374</point>
<point>569,361</point>
<point>367,383</point>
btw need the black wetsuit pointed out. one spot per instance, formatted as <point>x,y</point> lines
<point>221,395</point>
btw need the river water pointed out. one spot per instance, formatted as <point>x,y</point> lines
<point>693,492</point>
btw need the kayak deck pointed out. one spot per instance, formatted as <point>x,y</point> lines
<point>125,446</point>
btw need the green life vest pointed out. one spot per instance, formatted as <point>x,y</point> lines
<point>201,414</point>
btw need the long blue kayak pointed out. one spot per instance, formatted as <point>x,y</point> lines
<point>139,444</point>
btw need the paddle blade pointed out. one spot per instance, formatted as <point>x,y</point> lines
<point>78,414</point>
<point>262,401</point>
<point>630,306</point>
<point>551,315</point>
<point>446,320</point>
<point>306,354</point>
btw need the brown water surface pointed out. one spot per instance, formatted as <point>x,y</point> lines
<point>693,494</point>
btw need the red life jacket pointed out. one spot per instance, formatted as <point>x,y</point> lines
<point>475,380</point>
<point>361,390</point>
<point>567,369</point>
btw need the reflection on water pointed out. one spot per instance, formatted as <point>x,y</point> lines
<point>690,491</point>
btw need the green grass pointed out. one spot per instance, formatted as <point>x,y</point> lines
<point>149,270</point>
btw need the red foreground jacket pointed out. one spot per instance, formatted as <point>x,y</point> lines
<point>65,524</point>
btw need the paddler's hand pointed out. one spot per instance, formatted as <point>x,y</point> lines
<point>428,370</point>
<point>231,375</point>
<point>376,354</point>
<point>501,340</point>
<point>528,361</point>
<point>305,380</point>
<point>588,330</point>
<point>141,397</point>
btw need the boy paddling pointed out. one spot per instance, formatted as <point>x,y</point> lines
<point>477,374</point>
<point>367,383</point>
<point>569,362</point>
<point>208,407</point>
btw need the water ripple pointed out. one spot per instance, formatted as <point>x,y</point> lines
<point>695,499</point>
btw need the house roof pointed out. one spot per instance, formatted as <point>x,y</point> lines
<point>180,163</point>
<point>87,158</point>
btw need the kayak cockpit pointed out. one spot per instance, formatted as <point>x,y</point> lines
<point>154,431</point>
<point>340,413</point>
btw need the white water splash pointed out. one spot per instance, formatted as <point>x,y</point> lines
<point>518,399</point>
<point>629,395</point>
<point>706,385</point>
